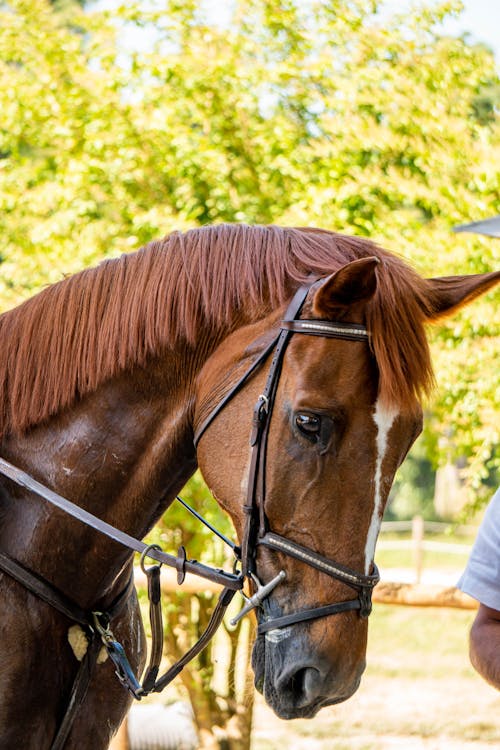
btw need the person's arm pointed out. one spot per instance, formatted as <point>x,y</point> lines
<point>485,644</point>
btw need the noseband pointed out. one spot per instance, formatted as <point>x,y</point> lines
<point>256,526</point>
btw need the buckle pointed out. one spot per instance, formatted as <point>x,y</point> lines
<point>117,654</point>
<point>260,414</point>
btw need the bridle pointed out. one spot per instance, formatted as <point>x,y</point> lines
<point>96,624</point>
<point>256,530</point>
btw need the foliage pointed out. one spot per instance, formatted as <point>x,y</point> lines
<point>178,526</point>
<point>118,126</point>
<point>413,490</point>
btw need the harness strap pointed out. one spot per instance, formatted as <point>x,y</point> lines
<point>156,620</point>
<point>325,328</point>
<point>87,665</point>
<point>55,598</point>
<point>43,590</point>
<point>334,569</point>
<point>214,622</point>
<point>78,691</point>
<point>23,479</point>
<point>254,506</point>
<point>234,390</point>
<point>364,584</point>
<point>308,614</point>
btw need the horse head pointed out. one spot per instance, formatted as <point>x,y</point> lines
<point>337,430</point>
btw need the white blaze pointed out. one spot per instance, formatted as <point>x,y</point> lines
<point>383,418</point>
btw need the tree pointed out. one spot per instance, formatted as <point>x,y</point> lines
<point>297,113</point>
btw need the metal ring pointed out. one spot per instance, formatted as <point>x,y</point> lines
<point>145,554</point>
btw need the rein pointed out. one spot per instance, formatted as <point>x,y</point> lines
<point>256,533</point>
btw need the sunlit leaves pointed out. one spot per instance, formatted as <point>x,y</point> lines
<point>119,125</point>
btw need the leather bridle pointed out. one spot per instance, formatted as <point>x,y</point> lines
<point>96,624</point>
<point>256,530</point>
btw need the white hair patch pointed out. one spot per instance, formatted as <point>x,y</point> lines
<point>384,418</point>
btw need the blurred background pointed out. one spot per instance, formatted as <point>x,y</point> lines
<point>120,122</point>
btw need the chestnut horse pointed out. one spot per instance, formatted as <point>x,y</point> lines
<point>107,376</point>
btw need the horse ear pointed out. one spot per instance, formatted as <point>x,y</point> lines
<point>356,282</point>
<point>448,294</point>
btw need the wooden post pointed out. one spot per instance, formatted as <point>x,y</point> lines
<point>422,595</point>
<point>417,535</point>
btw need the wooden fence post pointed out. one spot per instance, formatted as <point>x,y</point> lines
<point>417,535</point>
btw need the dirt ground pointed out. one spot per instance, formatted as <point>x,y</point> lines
<point>418,693</point>
<point>394,714</point>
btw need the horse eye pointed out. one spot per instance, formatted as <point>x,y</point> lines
<point>309,425</point>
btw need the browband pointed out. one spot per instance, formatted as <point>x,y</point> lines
<point>349,331</point>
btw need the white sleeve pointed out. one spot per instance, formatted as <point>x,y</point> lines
<point>481,577</point>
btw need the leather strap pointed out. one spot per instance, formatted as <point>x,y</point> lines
<point>214,622</point>
<point>364,584</point>
<point>156,621</point>
<point>234,390</point>
<point>78,691</point>
<point>54,598</point>
<point>43,590</point>
<point>254,506</point>
<point>23,479</point>
<point>86,669</point>
<point>334,569</point>
<point>327,329</point>
<point>308,614</point>
<point>293,309</point>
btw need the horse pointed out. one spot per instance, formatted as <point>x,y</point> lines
<point>117,382</point>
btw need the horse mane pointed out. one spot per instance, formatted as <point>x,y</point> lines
<point>74,335</point>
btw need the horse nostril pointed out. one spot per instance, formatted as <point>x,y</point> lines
<point>303,687</point>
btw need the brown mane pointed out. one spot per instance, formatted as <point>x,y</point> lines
<point>70,338</point>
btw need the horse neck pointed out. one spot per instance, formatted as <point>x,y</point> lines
<point>123,453</point>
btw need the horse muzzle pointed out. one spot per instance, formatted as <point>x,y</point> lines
<point>296,679</point>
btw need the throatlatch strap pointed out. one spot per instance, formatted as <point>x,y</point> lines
<point>234,390</point>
